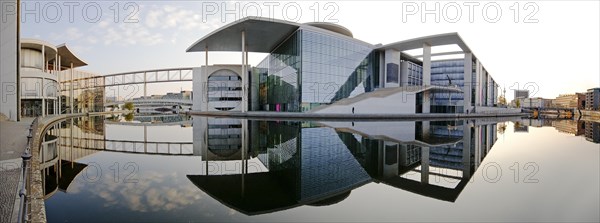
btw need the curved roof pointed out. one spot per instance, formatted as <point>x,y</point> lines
<point>331,27</point>
<point>36,44</point>
<point>262,34</point>
<point>433,40</point>
<point>67,57</point>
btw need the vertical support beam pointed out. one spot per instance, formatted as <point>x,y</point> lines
<point>426,76</point>
<point>43,97</point>
<point>71,89</point>
<point>244,97</point>
<point>490,90</point>
<point>204,82</point>
<point>248,78</point>
<point>477,83</point>
<point>424,165</point>
<point>466,151</point>
<point>145,85</point>
<point>59,78</point>
<point>18,64</point>
<point>426,64</point>
<point>44,58</point>
<point>467,78</point>
<point>44,68</point>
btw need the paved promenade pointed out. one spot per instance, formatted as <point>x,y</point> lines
<point>13,139</point>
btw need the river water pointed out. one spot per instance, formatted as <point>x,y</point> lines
<point>179,168</point>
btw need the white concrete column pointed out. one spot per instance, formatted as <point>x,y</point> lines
<point>145,86</point>
<point>468,73</point>
<point>477,152</point>
<point>477,83</point>
<point>424,165</point>
<point>43,58</point>
<point>466,151</point>
<point>204,82</point>
<point>490,89</point>
<point>244,79</point>
<point>59,78</point>
<point>248,78</point>
<point>426,107</point>
<point>426,64</point>
<point>43,97</point>
<point>72,89</point>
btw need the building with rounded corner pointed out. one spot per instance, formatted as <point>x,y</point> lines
<point>43,66</point>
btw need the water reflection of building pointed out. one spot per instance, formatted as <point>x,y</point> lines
<point>321,163</point>
<point>65,143</point>
<point>574,127</point>
<point>592,132</point>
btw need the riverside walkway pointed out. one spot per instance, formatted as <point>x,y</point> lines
<point>349,117</point>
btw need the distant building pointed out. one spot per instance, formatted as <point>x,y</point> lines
<point>532,102</point>
<point>568,101</point>
<point>581,100</point>
<point>592,99</point>
<point>521,94</point>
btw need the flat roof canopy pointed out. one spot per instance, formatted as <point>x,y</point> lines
<point>262,35</point>
<point>434,40</point>
<point>67,57</point>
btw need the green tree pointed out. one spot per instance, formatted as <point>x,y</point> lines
<point>502,100</point>
<point>129,106</point>
<point>518,103</point>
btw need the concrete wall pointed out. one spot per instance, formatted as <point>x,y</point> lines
<point>8,59</point>
<point>199,86</point>
<point>497,110</point>
<point>398,103</point>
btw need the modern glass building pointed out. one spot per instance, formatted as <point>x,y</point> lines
<point>313,66</point>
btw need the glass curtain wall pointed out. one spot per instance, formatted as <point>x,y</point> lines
<point>335,68</point>
<point>447,73</point>
<point>311,68</point>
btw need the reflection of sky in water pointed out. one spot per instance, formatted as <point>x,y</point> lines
<point>568,175</point>
<point>155,133</point>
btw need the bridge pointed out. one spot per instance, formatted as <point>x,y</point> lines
<point>129,146</point>
<point>152,102</point>
<point>91,82</point>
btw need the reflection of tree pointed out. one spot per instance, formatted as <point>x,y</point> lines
<point>517,125</point>
<point>501,128</point>
<point>129,117</point>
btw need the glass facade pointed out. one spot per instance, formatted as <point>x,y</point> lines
<point>447,73</point>
<point>414,75</point>
<point>311,68</point>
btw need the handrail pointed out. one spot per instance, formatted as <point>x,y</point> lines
<point>25,183</point>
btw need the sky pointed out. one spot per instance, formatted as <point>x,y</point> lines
<point>548,47</point>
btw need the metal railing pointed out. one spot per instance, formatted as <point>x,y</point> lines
<point>25,183</point>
